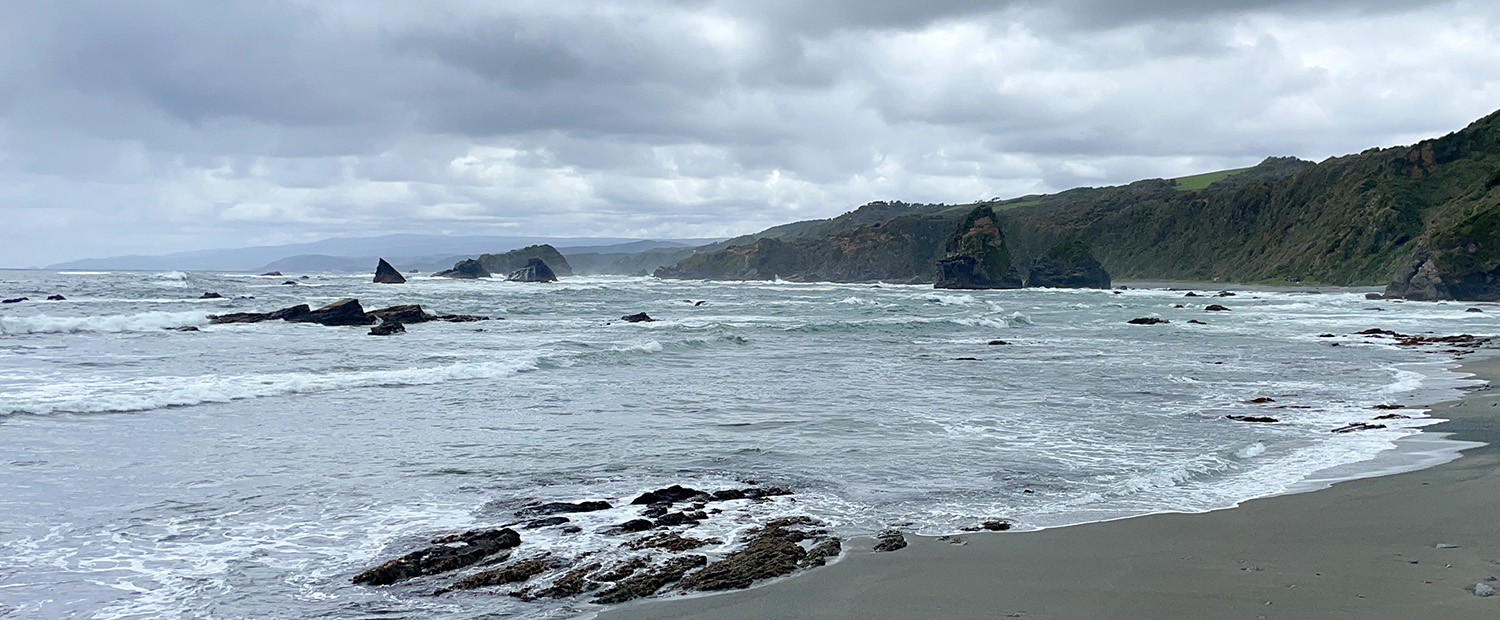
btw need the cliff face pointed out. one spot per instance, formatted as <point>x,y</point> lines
<point>976,256</point>
<point>1069,264</point>
<point>1425,214</point>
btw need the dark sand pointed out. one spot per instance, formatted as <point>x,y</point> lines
<point>1363,549</point>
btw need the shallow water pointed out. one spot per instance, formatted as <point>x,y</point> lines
<point>250,470</point>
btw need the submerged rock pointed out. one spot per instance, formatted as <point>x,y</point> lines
<point>674,493</point>
<point>1252,418</point>
<point>553,508</point>
<point>210,296</point>
<point>387,328</point>
<point>15,300</point>
<point>670,541</point>
<point>1215,308</point>
<point>447,553</point>
<point>386,274</point>
<point>1357,426</point>
<point>977,257</point>
<point>633,525</point>
<point>536,270</point>
<point>1149,320</point>
<point>639,317</point>
<point>61,298</point>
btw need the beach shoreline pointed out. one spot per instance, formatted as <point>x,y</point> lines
<point>1407,545</point>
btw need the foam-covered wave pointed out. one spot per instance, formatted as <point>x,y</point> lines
<point>108,396</point>
<point>109,323</point>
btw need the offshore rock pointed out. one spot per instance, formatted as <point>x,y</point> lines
<point>15,300</point>
<point>276,274</point>
<point>210,296</point>
<point>470,269</point>
<point>446,553</point>
<point>1148,320</point>
<point>386,274</point>
<point>284,314</point>
<point>671,494</point>
<point>1070,264</point>
<point>341,312</point>
<point>976,255</point>
<point>553,508</point>
<point>61,298</point>
<point>409,313</point>
<point>536,270</point>
<point>1215,308</point>
<point>518,259</point>
<point>639,317</point>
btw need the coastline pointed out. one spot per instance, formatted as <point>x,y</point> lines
<point>1363,548</point>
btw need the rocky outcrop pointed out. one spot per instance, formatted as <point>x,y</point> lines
<point>1070,264</point>
<point>890,540</point>
<point>61,298</point>
<point>647,582</point>
<point>552,508</point>
<point>536,270</point>
<point>341,312</point>
<point>772,551</point>
<point>470,269</point>
<point>514,572</point>
<point>446,553</point>
<point>639,317</point>
<point>976,255</point>
<point>210,296</point>
<point>15,300</point>
<point>386,274</point>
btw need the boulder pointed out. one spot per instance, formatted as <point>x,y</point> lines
<point>445,554</point>
<point>639,317</point>
<point>470,269</point>
<point>341,312</point>
<point>674,493</point>
<point>61,298</point>
<point>387,328</point>
<point>977,257</point>
<point>890,540</point>
<point>1215,308</point>
<point>819,554</point>
<point>386,274</point>
<point>1374,296</point>
<point>536,270</point>
<point>1070,264</point>
<point>210,296</point>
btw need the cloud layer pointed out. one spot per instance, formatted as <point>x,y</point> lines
<point>166,125</point>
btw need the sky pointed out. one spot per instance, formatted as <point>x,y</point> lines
<point>156,126</point>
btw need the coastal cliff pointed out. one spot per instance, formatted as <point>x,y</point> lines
<point>1422,217</point>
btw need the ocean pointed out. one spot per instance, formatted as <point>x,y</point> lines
<point>248,471</point>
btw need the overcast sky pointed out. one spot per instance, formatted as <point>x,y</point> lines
<point>154,126</point>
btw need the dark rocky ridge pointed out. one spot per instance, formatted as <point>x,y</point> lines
<point>536,270</point>
<point>1070,264</point>
<point>343,312</point>
<point>470,269</point>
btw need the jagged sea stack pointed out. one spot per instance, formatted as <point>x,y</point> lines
<point>470,269</point>
<point>976,255</point>
<point>386,274</point>
<point>1069,264</point>
<point>536,270</point>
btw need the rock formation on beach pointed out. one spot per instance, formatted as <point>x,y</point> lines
<point>976,255</point>
<point>1070,264</point>
<point>536,270</point>
<point>469,269</point>
<point>386,274</point>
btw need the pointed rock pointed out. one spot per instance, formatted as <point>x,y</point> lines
<point>536,270</point>
<point>386,274</point>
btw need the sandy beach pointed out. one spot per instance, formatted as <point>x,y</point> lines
<point>1411,545</point>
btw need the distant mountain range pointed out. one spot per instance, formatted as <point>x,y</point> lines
<point>356,254</point>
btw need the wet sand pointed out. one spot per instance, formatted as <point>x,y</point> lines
<point>1363,549</point>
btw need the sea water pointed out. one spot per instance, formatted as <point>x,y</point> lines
<point>250,470</point>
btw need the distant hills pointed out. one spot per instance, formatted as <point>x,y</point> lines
<point>356,254</point>
<point>1430,211</point>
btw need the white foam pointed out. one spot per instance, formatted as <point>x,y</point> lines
<point>1251,451</point>
<point>109,323</point>
<point>83,395</point>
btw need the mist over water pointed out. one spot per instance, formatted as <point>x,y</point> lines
<point>250,470</point>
